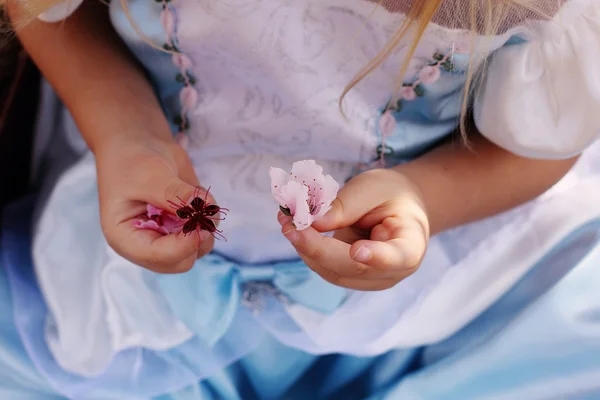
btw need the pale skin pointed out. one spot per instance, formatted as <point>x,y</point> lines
<point>382,218</point>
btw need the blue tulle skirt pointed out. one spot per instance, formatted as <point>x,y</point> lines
<point>541,340</point>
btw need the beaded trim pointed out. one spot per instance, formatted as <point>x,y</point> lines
<point>429,74</point>
<point>188,95</point>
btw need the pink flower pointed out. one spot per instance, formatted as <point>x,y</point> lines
<point>387,123</point>
<point>408,93</point>
<point>167,20</point>
<point>188,97</point>
<point>430,74</point>
<point>305,193</point>
<point>158,220</point>
<point>183,140</point>
<point>182,61</point>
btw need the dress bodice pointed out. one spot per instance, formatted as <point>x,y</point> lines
<point>256,83</point>
<point>250,84</point>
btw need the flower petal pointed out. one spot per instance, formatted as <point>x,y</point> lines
<point>387,123</point>
<point>150,225</point>
<point>306,171</point>
<point>182,61</point>
<point>171,223</point>
<point>328,194</point>
<point>292,194</point>
<point>183,140</point>
<point>302,217</point>
<point>430,74</point>
<point>330,190</point>
<point>188,97</point>
<point>152,210</point>
<point>408,93</point>
<point>303,220</point>
<point>305,192</point>
<point>159,220</point>
<point>278,179</point>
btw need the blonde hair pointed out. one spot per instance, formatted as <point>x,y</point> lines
<point>31,8</point>
<point>486,18</point>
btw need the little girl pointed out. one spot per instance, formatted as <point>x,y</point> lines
<point>403,300</point>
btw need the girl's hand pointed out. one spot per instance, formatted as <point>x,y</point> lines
<point>133,173</point>
<point>381,233</point>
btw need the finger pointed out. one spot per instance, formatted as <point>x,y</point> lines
<point>334,277</point>
<point>362,200</point>
<point>188,174</point>
<point>353,283</point>
<point>207,242</point>
<point>283,219</point>
<point>396,245</point>
<point>163,187</point>
<point>353,201</point>
<point>325,253</point>
<point>160,253</point>
<point>345,210</point>
<point>176,191</point>
<point>392,257</point>
<point>350,235</point>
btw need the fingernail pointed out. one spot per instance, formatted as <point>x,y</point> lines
<point>291,235</point>
<point>363,254</point>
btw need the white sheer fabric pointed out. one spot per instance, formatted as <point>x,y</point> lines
<point>464,14</point>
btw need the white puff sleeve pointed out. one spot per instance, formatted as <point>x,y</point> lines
<point>541,98</point>
<point>60,11</point>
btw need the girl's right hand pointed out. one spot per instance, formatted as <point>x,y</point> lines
<point>132,174</point>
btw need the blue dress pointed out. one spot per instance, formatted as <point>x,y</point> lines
<point>504,308</point>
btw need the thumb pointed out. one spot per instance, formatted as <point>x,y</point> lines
<point>173,190</point>
<point>353,201</point>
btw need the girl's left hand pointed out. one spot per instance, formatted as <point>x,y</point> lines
<point>381,233</point>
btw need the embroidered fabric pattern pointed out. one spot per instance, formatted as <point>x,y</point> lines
<point>410,91</point>
<point>188,95</point>
<point>255,296</point>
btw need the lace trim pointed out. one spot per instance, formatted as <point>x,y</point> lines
<point>188,95</point>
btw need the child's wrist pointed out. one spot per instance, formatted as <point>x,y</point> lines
<point>163,145</point>
<point>412,181</point>
<point>155,139</point>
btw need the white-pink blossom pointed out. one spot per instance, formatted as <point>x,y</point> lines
<point>156,219</point>
<point>430,74</point>
<point>188,97</point>
<point>183,140</point>
<point>305,193</point>
<point>182,61</point>
<point>387,123</point>
<point>167,20</point>
<point>408,93</point>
